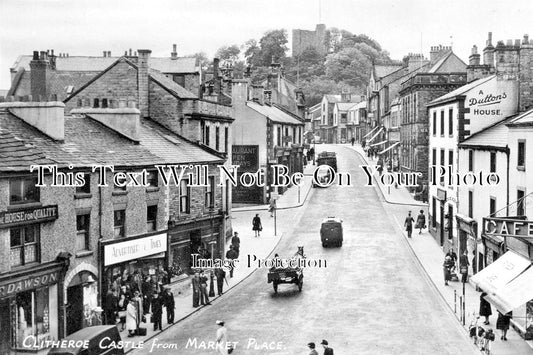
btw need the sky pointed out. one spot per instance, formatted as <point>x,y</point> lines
<point>88,27</point>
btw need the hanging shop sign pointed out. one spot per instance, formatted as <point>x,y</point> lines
<point>28,216</point>
<point>135,248</point>
<point>504,227</point>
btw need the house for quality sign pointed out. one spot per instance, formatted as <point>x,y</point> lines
<point>28,216</point>
<point>133,249</point>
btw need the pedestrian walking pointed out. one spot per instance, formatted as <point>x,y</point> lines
<point>272,206</point>
<point>111,307</point>
<point>138,303</point>
<point>353,141</point>
<point>195,283</point>
<point>313,350</point>
<point>474,262</point>
<point>421,221</point>
<point>146,289</point>
<point>231,254</point>
<point>157,311</point>
<point>222,339</point>
<point>131,319</point>
<point>408,224</point>
<point>327,349</point>
<point>485,309</point>
<point>256,225</point>
<point>122,309</point>
<point>463,266</point>
<point>170,305</point>
<point>204,297</point>
<point>503,322</point>
<point>447,268</point>
<point>221,277</point>
<point>236,242</point>
<point>488,338</point>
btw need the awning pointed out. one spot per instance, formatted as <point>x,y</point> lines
<point>375,135</point>
<point>514,294</point>
<point>371,131</point>
<point>379,143</point>
<point>389,148</point>
<point>497,275</point>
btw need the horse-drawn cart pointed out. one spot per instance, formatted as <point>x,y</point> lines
<point>287,275</point>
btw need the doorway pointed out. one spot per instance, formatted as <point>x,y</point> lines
<point>5,328</point>
<point>74,309</point>
<point>442,223</point>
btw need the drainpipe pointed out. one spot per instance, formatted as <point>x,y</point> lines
<point>100,249</point>
<point>507,153</point>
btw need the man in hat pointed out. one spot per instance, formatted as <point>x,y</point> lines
<point>312,347</point>
<point>236,243</point>
<point>169,303</point>
<point>408,224</point>
<point>157,311</point>
<point>221,276</point>
<point>222,338</point>
<point>327,349</point>
<point>231,254</point>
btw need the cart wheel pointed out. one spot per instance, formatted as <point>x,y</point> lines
<point>324,245</point>
<point>275,285</point>
<point>300,285</point>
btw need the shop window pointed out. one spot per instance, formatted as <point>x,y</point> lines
<point>217,138</point>
<point>82,231</point>
<point>521,163</point>
<point>185,197</point>
<point>152,178</point>
<point>24,244</point>
<point>120,223</point>
<point>520,202</point>
<point>86,188</point>
<point>210,193</point>
<point>34,317</point>
<point>23,191</point>
<point>151,218</point>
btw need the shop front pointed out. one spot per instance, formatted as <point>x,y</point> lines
<point>133,260</point>
<point>467,236</point>
<point>30,307</point>
<point>203,236</point>
<point>82,308</point>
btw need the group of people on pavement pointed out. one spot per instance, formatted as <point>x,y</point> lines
<point>325,344</point>
<point>131,308</point>
<point>503,321</point>
<point>420,223</point>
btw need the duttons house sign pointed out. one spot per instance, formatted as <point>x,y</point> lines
<point>28,216</point>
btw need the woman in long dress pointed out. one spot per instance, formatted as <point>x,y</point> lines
<point>131,319</point>
<point>222,339</point>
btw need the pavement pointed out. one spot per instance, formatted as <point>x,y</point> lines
<point>431,256</point>
<point>250,246</point>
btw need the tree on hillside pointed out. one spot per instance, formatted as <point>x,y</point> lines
<point>317,87</point>
<point>201,59</point>
<point>273,44</point>
<point>228,53</point>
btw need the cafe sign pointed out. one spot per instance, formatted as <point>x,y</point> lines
<point>504,227</point>
<point>28,216</point>
<point>134,249</point>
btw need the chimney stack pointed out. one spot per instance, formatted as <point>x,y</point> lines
<point>143,65</point>
<point>174,53</point>
<point>39,76</point>
<point>258,94</point>
<point>488,52</point>
<point>475,58</point>
<point>216,76</point>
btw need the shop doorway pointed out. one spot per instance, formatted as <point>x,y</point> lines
<point>74,309</point>
<point>5,327</point>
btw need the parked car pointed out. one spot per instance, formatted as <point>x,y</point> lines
<point>331,232</point>
<point>100,340</point>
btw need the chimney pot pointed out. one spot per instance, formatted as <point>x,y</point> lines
<point>105,54</point>
<point>109,53</point>
<point>526,39</point>
<point>509,42</point>
<point>35,55</point>
<point>130,52</point>
<point>52,51</point>
<point>489,40</point>
<point>517,43</point>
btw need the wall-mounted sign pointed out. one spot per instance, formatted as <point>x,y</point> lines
<point>31,282</point>
<point>28,216</point>
<point>493,98</point>
<point>508,227</point>
<point>246,156</point>
<point>135,248</point>
<point>441,195</point>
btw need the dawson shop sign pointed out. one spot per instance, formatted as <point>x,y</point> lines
<point>28,216</point>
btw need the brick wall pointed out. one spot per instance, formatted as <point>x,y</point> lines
<point>120,82</point>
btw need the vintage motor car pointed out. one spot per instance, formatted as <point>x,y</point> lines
<point>100,340</point>
<point>331,232</point>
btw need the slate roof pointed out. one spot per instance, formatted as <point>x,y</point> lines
<point>333,98</point>
<point>492,136</point>
<point>525,118</point>
<point>273,113</point>
<point>461,91</point>
<point>96,64</point>
<point>88,142</point>
<point>435,68</point>
<point>384,70</point>
<point>171,85</point>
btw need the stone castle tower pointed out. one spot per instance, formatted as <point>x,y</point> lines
<point>302,39</point>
